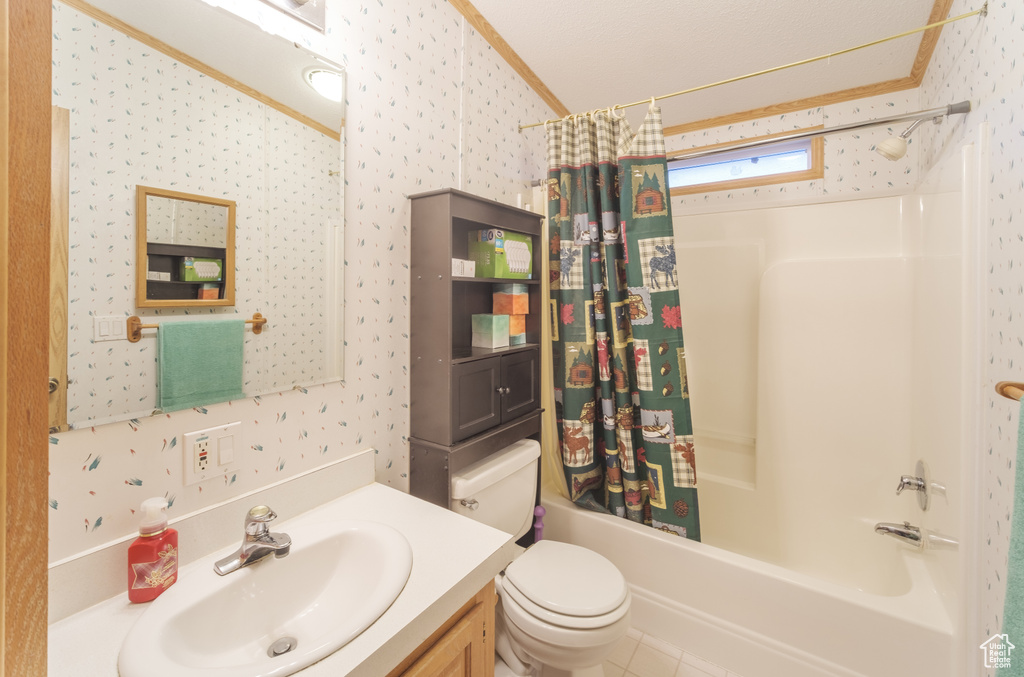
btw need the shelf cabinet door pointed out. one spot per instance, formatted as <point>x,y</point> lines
<point>520,384</point>
<point>476,399</point>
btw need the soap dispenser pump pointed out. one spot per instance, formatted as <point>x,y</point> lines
<point>153,557</point>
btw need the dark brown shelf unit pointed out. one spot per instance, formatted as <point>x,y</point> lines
<point>466,402</point>
<point>483,353</point>
<point>492,280</point>
<point>166,258</point>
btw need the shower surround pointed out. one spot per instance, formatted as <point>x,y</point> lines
<point>825,357</point>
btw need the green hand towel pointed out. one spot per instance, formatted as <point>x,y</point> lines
<point>199,362</point>
<point>1013,608</point>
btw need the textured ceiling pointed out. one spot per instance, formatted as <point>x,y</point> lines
<point>596,53</point>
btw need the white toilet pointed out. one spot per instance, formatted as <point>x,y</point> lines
<point>562,608</point>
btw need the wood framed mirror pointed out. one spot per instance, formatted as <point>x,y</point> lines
<point>186,249</point>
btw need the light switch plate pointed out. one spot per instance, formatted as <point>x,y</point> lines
<point>109,328</point>
<point>208,452</point>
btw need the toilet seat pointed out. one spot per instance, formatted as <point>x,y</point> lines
<point>567,586</point>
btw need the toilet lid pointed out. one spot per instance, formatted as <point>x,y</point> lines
<point>567,579</point>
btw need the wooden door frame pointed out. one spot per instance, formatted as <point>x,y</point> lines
<point>25,73</point>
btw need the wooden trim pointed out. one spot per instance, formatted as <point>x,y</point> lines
<point>815,172</point>
<point>59,195</point>
<point>940,10</point>
<point>829,99</point>
<point>25,33</point>
<point>142,250</point>
<point>203,68</point>
<point>925,51</point>
<point>484,28</point>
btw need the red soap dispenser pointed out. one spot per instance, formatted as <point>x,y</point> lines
<point>153,557</point>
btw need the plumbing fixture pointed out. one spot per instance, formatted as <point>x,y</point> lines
<point>908,482</point>
<point>257,543</point>
<point>904,532</point>
<point>917,482</point>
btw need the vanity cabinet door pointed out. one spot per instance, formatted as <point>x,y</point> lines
<point>476,397</point>
<point>462,647</point>
<point>458,653</point>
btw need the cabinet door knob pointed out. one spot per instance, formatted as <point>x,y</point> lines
<point>54,383</point>
<point>503,390</point>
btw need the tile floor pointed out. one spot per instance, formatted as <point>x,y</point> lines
<point>640,655</point>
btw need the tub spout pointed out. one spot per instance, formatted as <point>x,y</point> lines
<point>905,532</point>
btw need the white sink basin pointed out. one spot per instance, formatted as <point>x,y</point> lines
<point>336,581</point>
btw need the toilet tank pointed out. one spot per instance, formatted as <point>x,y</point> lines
<point>500,489</point>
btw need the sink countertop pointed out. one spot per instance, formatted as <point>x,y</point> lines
<point>453,558</point>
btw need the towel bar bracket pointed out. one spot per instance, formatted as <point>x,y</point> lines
<point>135,326</point>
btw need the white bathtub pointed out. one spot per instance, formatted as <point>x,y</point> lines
<point>823,359</point>
<point>758,619</point>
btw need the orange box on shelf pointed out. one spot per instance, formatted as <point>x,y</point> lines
<point>209,293</point>
<point>516,330</point>
<point>510,299</point>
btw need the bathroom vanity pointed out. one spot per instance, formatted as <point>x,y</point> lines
<point>443,616</point>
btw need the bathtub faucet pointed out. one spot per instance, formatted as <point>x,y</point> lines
<point>905,532</point>
<point>910,482</point>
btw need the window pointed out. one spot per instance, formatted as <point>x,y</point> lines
<point>782,162</point>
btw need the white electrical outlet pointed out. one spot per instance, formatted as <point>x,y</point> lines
<point>201,452</point>
<point>208,452</point>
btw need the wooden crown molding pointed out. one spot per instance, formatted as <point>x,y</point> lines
<point>484,28</point>
<point>205,69</point>
<point>930,38</point>
<point>862,92</point>
<point>925,51</point>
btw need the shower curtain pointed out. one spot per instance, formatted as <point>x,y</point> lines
<point>621,400</point>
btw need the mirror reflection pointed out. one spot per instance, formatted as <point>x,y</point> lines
<point>139,116</point>
<point>186,249</point>
<point>185,222</point>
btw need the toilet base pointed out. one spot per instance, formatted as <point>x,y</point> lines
<point>501,669</point>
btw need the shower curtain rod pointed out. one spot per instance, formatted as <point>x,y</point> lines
<point>933,113</point>
<point>983,11</point>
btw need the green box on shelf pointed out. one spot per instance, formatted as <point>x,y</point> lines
<point>195,269</point>
<point>502,254</point>
<point>490,331</point>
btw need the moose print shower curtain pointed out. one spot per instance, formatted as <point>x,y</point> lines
<point>621,399</point>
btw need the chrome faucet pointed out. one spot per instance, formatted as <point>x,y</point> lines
<point>918,482</point>
<point>910,482</point>
<point>258,542</point>
<point>904,532</point>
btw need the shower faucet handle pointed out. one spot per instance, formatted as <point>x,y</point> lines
<point>910,482</point>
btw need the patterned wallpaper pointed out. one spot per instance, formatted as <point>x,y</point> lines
<point>981,60</point>
<point>852,171</point>
<point>429,105</point>
<point>139,117</point>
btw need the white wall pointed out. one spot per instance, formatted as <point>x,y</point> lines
<point>430,105</point>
